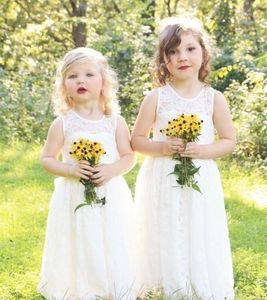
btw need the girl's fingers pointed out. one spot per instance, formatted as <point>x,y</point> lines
<point>97,181</point>
<point>84,162</point>
<point>91,169</point>
<point>96,169</point>
<point>176,145</point>
<point>83,176</point>
<point>86,166</point>
<point>95,175</point>
<point>85,172</point>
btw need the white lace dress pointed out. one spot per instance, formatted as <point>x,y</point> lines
<point>88,254</point>
<point>183,246</point>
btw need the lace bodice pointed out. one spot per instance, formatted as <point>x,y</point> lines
<point>103,131</point>
<point>170,105</point>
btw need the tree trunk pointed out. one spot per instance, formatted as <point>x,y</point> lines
<point>148,16</point>
<point>249,12</point>
<point>79,33</point>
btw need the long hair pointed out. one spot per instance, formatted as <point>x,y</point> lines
<point>170,38</point>
<point>108,98</point>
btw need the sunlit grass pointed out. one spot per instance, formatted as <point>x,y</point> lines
<point>24,197</point>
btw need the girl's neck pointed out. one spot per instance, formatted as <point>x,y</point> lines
<point>89,112</point>
<point>187,89</point>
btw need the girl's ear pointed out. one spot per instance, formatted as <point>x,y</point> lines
<point>69,101</point>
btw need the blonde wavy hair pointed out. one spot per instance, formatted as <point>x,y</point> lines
<point>171,30</point>
<point>108,98</point>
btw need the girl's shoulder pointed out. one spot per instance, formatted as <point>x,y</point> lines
<point>117,119</point>
<point>150,101</point>
<point>57,122</point>
<point>56,127</point>
<point>218,96</point>
<point>216,92</point>
<point>220,103</point>
<point>151,97</point>
<point>120,121</point>
<point>153,94</point>
<point>65,115</point>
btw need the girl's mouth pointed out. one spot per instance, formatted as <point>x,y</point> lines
<point>183,67</point>
<point>81,90</point>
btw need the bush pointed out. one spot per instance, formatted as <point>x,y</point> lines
<point>25,107</point>
<point>249,108</point>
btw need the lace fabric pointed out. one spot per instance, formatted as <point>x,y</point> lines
<point>75,127</point>
<point>73,123</point>
<point>170,105</point>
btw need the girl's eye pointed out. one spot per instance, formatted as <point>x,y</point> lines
<point>89,74</point>
<point>171,52</point>
<point>191,48</point>
<point>72,76</point>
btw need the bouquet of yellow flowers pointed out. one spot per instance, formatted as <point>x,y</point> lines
<point>187,128</point>
<point>91,151</point>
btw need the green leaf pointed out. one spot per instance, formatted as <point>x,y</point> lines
<point>196,188</point>
<point>177,173</point>
<point>194,171</point>
<point>80,205</point>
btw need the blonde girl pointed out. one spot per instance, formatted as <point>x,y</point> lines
<point>87,254</point>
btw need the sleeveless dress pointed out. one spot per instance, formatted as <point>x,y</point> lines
<point>183,243</point>
<point>88,254</point>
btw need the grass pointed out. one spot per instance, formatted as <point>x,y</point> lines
<point>24,197</point>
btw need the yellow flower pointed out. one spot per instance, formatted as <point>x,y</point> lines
<point>92,152</point>
<point>188,128</point>
<point>87,150</point>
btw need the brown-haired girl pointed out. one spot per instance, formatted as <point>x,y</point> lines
<point>183,247</point>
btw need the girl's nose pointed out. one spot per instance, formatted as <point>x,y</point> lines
<point>182,57</point>
<point>80,80</point>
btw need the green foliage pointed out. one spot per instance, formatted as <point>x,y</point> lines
<point>129,51</point>
<point>224,23</point>
<point>249,112</point>
<point>38,34</point>
<point>25,111</point>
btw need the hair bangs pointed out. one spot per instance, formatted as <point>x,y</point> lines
<point>172,39</point>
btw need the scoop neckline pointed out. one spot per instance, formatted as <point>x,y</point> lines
<point>183,98</point>
<point>88,120</point>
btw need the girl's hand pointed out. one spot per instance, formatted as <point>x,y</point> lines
<point>82,169</point>
<point>192,150</point>
<point>172,145</point>
<point>102,174</point>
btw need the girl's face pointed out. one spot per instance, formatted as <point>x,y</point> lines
<point>83,82</point>
<point>184,61</point>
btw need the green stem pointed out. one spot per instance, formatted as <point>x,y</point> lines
<point>185,164</point>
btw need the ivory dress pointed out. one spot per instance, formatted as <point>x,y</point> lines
<point>183,243</point>
<point>88,254</point>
